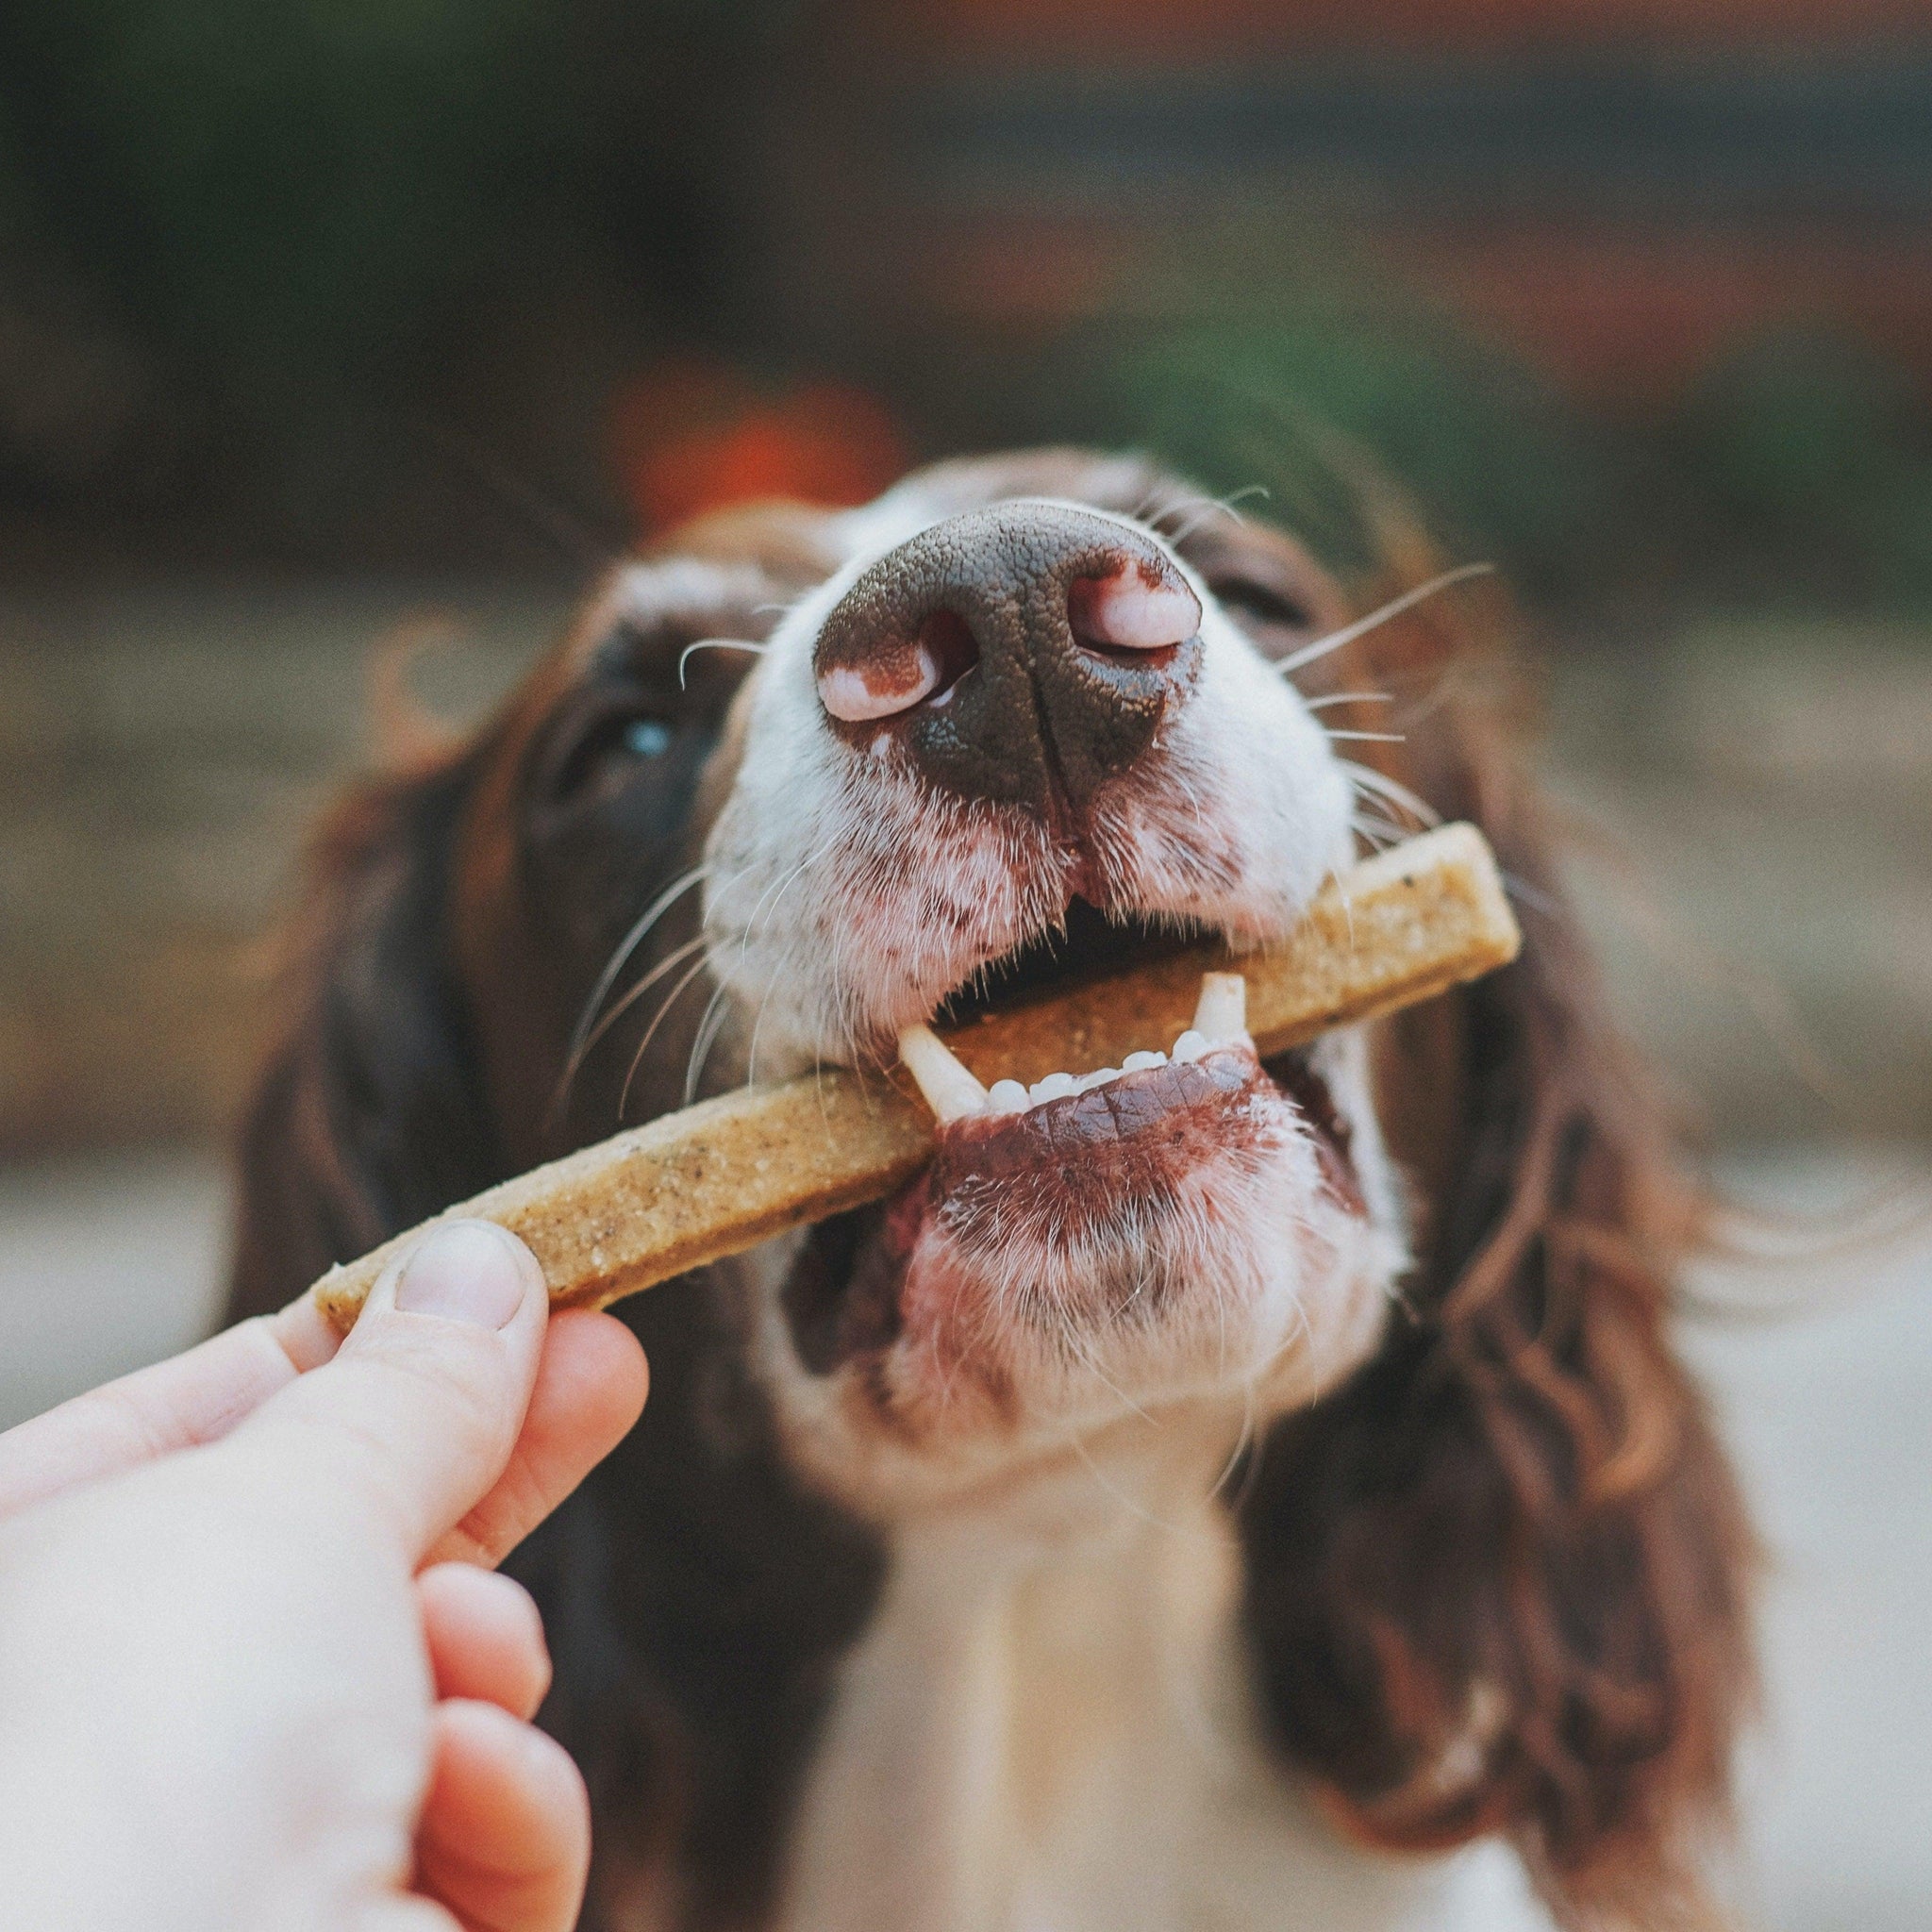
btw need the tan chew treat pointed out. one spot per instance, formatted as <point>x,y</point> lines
<point>730,1173</point>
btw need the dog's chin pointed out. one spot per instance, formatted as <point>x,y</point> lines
<point>1193,1233</point>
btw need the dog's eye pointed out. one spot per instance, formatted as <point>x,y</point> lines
<point>1242,597</point>
<point>610,754</point>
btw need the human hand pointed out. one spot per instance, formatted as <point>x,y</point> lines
<point>251,1671</point>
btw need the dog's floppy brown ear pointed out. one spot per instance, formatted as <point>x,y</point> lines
<point>366,1117</point>
<point>1496,1582</point>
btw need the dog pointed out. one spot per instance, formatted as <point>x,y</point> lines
<point>1215,1493</point>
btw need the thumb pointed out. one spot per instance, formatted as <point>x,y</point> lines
<point>416,1416</point>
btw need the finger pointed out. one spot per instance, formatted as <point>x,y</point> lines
<point>308,1337</point>
<point>591,1388</point>
<point>485,1638</point>
<point>414,1420</point>
<point>192,1398</point>
<point>505,1838</point>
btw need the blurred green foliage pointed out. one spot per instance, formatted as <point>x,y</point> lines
<point>290,207</point>
<point>1808,441</point>
<point>1300,403</point>
<point>259,247</point>
<point>1802,464</point>
<point>301,182</point>
<point>269,180</point>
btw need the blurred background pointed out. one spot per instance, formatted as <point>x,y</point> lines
<point>341,333</point>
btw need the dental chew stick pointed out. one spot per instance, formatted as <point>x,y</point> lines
<point>720,1176</point>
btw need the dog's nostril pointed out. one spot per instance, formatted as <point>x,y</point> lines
<point>947,638</point>
<point>1132,611</point>
<point>1022,653</point>
<point>894,677</point>
<point>888,681</point>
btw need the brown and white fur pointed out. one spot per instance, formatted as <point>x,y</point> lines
<point>1233,1496</point>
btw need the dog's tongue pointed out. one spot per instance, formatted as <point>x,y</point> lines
<point>955,1094</point>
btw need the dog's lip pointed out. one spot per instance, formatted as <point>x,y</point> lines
<point>844,1297</point>
<point>1133,1111</point>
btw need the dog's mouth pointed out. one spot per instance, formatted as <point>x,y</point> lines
<point>1071,1175</point>
<point>1086,944</point>
<point>1089,1135</point>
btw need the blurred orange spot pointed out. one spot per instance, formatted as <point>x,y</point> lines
<point>691,437</point>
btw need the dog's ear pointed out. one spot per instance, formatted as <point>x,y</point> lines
<point>1496,1581</point>
<point>367,1116</point>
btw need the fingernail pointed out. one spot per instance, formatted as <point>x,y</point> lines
<point>467,1272</point>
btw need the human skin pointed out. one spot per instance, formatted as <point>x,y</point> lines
<point>254,1668</point>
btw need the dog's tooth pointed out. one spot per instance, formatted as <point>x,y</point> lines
<point>1005,1096</point>
<point>1055,1087</point>
<point>1222,1015</point>
<point>950,1090</point>
<point>1098,1078</point>
<point>1189,1046</point>
<point>1142,1063</point>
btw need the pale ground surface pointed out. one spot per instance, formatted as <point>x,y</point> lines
<point>104,1264</point>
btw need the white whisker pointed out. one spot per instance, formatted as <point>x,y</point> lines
<point>1348,697</point>
<point>1223,505</point>
<point>716,644</point>
<point>1244,1438</point>
<point>675,957</point>
<point>1389,791</point>
<point>1534,897</point>
<point>1347,904</point>
<point>671,999</point>
<point>1394,607</point>
<point>1113,1491</point>
<point>708,1028</point>
<point>1176,508</point>
<point>587,1031</point>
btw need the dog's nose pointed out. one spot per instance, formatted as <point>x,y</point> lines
<point>1026,650</point>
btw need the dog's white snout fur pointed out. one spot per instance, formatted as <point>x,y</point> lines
<point>848,896</point>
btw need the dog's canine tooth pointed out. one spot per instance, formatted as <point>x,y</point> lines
<point>950,1090</point>
<point>1220,1017</point>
